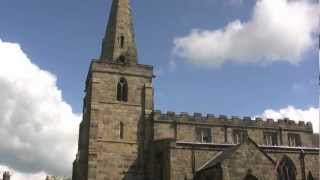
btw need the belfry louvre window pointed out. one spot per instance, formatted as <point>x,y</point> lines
<point>294,140</point>
<point>122,90</point>
<point>270,138</point>
<point>204,135</point>
<point>239,136</point>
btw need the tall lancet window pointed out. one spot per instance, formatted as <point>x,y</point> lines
<point>121,130</point>
<point>122,90</point>
<point>121,41</point>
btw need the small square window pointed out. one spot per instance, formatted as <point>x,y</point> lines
<point>294,140</point>
<point>204,135</point>
<point>270,138</point>
<point>239,136</point>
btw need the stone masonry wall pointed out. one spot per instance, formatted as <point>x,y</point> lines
<point>187,158</point>
<point>182,127</point>
<point>248,158</point>
<point>182,164</point>
<point>312,164</point>
<point>110,156</point>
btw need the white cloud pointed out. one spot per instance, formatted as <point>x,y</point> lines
<point>307,115</point>
<point>279,30</point>
<point>38,130</point>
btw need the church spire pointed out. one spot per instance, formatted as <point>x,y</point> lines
<point>119,43</point>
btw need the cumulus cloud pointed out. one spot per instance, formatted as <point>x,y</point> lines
<point>307,115</point>
<point>38,130</point>
<point>279,30</point>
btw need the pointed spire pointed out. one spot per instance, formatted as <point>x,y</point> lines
<point>119,42</point>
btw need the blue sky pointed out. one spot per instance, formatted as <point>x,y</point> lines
<point>62,37</point>
<point>231,57</point>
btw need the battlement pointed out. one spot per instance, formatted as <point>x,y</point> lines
<point>224,120</point>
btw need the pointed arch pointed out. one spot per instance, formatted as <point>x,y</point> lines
<point>122,90</point>
<point>286,170</point>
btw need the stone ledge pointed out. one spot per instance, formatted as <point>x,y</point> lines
<point>268,149</point>
<point>117,141</point>
<point>120,103</point>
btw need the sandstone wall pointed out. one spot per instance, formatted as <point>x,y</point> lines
<point>182,127</point>
<point>111,156</point>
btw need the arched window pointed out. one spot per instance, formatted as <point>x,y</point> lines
<point>286,169</point>
<point>122,41</point>
<point>122,90</point>
<point>121,130</point>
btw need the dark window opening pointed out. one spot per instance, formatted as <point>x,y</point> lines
<point>294,140</point>
<point>204,135</point>
<point>270,138</point>
<point>286,169</point>
<point>239,136</point>
<point>122,90</point>
<point>159,165</point>
<point>121,130</point>
<point>122,41</point>
<point>250,177</point>
<point>122,59</point>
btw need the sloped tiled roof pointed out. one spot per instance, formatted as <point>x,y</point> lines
<point>218,158</point>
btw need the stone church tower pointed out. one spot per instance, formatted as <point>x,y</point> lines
<point>117,104</point>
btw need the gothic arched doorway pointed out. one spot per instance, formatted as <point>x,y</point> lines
<point>286,169</point>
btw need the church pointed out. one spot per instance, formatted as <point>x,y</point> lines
<point>123,137</point>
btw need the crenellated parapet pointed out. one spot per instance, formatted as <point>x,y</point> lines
<point>223,120</point>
